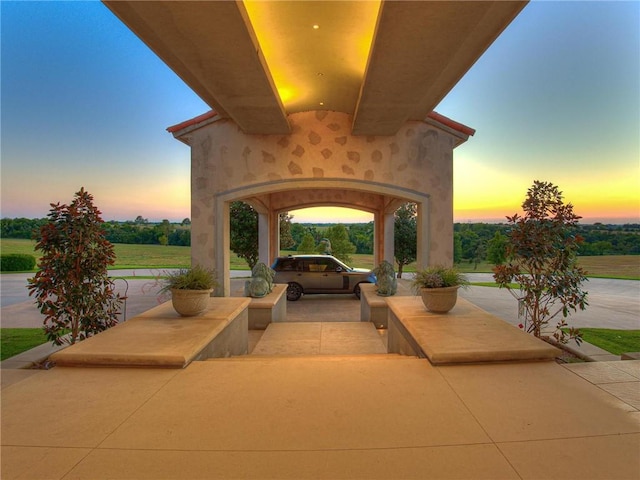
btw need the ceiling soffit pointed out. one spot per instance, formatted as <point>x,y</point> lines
<point>316,51</point>
<point>384,63</point>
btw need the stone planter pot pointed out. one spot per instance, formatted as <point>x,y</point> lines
<point>439,300</point>
<point>190,303</point>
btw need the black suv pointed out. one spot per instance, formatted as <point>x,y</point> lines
<point>319,274</point>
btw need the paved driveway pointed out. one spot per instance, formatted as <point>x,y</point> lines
<point>612,303</point>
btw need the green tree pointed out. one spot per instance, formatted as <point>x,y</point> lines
<point>361,235</point>
<point>405,236</point>
<point>20,227</point>
<point>541,255</point>
<point>341,247</point>
<point>457,248</point>
<point>286,239</point>
<point>298,231</point>
<point>180,238</point>
<point>497,249</point>
<point>72,286</point>
<point>307,245</point>
<point>470,241</point>
<point>243,221</point>
<point>164,230</point>
<point>479,253</point>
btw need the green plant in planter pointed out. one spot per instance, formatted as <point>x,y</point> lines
<point>438,287</point>
<point>190,290</point>
<point>438,277</point>
<point>195,278</point>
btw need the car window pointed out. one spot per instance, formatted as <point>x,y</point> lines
<point>328,264</point>
<point>320,264</point>
<point>312,265</point>
<point>287,265</point>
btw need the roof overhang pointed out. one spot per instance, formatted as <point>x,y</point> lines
<point>182,130</point>
<point>258,61</point>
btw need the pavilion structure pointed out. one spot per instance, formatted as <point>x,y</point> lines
<point>319,103</point>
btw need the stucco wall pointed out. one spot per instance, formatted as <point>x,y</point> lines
<point>415,164</point>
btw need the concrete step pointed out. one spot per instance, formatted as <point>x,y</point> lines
<point>320,338</point>
<point>319,358</point>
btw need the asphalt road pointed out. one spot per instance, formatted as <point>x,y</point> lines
<point>612,303</point>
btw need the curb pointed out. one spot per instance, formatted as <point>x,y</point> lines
<point>31,358</point>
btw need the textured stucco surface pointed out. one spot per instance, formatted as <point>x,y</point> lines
<point>320,163</point>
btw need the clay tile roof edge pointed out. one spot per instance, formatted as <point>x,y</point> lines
<point>193,121</point>
<point>432,115</point>
<point>451,123</point>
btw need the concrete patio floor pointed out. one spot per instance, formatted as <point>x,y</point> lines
<point>294,417</point>
<point>286,414</point>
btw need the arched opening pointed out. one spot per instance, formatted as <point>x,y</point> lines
<point>331,215</point>
<point>320,165</point>
<point>270,201</point>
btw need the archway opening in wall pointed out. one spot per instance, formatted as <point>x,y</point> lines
<point>405,238</point>
<point>347,233</point>
<point>331,215</point>
<point>274,201</point>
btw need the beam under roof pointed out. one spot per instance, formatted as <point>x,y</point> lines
<point>212,47</point>
<point>420,50</point>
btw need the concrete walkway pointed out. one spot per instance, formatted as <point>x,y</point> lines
<point>324,417</point>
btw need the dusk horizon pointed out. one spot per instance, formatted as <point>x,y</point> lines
<point>335,215</point>
<point>85,103</point>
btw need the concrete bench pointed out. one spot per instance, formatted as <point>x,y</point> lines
<point>267,309</point>
<point>373,307</point>
<point>161,338</point>
<point>466,334</point>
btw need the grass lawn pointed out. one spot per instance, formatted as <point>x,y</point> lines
<point>513,286</point>
<point>130,256</point>
<point>160,256</point>
<point>17,340</point>
<point>613,341</point>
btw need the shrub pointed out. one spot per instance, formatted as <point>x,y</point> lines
<point>17,262</point>
<point>438,277</point>
<point>196,278</point>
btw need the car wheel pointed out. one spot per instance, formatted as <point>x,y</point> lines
<point>356,291</point>
<point>294,291</point>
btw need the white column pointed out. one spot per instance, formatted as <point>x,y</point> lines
<point>422,227</point>
<point>203,214</point>
<point>263,238</point>
<point>274,236</point>
<point>389,241</point>
<point>223,244</point>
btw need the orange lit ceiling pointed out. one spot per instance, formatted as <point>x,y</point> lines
<point>258,61</point>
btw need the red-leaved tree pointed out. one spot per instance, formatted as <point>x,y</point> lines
<point>72,287</point>
<point>541,258</point>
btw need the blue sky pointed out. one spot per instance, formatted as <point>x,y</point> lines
<point>85,103</point>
